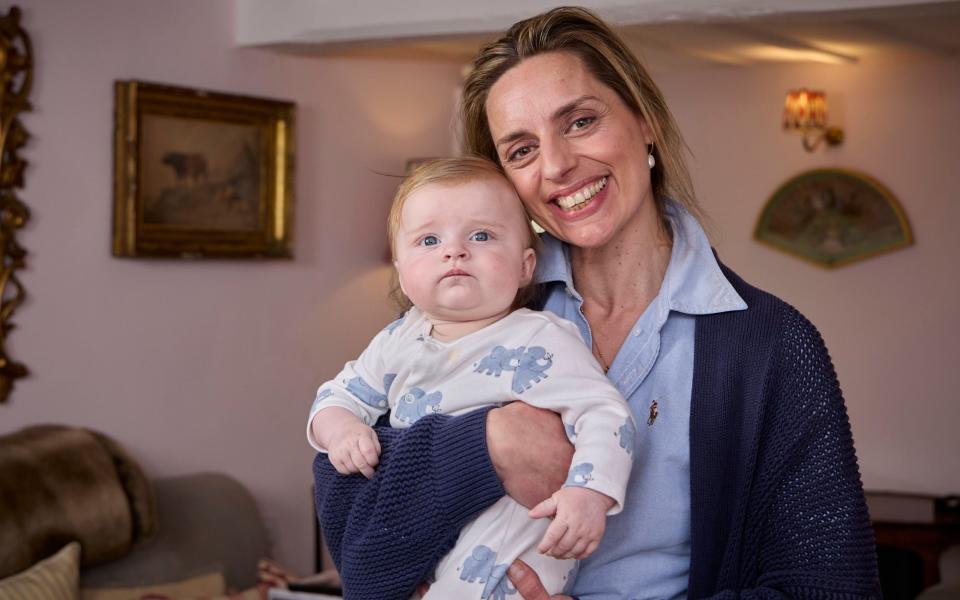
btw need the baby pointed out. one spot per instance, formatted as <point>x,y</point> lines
<point>464,254</point>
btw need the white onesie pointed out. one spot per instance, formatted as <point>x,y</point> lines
<point>532,356</point>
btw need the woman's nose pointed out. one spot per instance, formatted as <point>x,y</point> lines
<point>557,159</point>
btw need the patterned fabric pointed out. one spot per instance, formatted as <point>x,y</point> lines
<point>53,578</point>
<point>408,516</point>
<point>776,500</point>
<point>534,356</point>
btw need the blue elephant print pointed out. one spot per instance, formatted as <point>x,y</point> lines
<point>571,432</point>
<point>321,396</point>
<point>393,326</point>
<point>366,394</point>
<point>627,433</point>
<point>481,566</point>
<point>387,382</point>
<point>500,359</point>
<point>580,475</point>
<point>416,404</point>
<point>529,365</point>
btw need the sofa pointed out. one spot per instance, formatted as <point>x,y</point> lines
<point>63,484</point>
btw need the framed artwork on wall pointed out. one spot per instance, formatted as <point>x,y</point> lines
<point>833,217</point>
<point>201,174</point>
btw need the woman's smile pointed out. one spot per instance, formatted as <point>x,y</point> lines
<point>574,150</point>
<point>578,200</point>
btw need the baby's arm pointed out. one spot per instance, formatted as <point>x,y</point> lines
<point>601,427</point>
<point>346,406</point>
<point>352,446</point>
<point>579,519</point>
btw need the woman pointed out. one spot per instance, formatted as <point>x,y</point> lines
<point>745,480</point>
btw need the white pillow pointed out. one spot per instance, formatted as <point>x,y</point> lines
<point>53,578</point>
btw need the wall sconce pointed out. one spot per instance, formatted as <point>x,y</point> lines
<point>806,111</point>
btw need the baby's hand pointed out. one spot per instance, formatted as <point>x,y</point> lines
<point>578,524</point>
<point>355,448</point>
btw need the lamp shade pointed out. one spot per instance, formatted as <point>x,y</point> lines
<point>805,109</point>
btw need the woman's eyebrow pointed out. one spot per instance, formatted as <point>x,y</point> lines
<point>558,114</point>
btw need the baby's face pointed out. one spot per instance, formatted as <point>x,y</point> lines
<point>462,249</point>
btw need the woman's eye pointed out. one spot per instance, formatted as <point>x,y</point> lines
<point>519,153</point>
<point>480,236</point>
<point>582,122</point>
<point>429,240</point>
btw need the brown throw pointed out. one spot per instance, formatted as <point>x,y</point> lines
<point>59,484</point>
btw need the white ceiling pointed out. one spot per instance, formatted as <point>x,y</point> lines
<point>668,33</point>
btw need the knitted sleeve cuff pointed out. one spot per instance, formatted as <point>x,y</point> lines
<point>466,481</point>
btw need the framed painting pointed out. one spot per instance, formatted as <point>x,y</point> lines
<point>833,217</point>
<point>201,174</point>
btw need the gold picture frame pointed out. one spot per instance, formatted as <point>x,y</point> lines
<point>201,174</point>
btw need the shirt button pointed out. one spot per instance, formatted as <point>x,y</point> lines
<point>638,332</point>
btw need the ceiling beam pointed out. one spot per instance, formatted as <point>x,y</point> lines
<point>277,22</point>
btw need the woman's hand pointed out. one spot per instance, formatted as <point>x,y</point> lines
<point>529,450</point>
<point>528,583</point>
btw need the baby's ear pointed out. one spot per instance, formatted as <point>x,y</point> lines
<point>399,278</point>
<point>529,264</point>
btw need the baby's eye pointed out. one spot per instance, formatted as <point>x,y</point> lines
<point>480,236</point>
<point>429,240</point>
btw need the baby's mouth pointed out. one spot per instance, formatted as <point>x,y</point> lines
<point>455,273</point>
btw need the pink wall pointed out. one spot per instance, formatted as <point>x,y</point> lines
<point>211,365</point>
<point>206,365</point>
<point>890,322</point>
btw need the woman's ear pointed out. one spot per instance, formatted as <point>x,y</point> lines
<point>529,264</point>
<point>646,131</point>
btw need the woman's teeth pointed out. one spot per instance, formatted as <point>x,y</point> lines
<point>579,200</point>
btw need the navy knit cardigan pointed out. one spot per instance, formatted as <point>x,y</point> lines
<point>777,504</point>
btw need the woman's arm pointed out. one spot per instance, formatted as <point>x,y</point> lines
<point>805,531</point>
<point>529,451</point>
<point>386,534</point>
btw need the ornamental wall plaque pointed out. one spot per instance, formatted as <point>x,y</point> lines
<point>16,76</point>
<point>832,217</point>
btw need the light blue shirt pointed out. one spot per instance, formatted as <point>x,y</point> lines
<point>645,552</point>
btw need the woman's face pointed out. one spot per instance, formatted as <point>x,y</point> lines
<point>575,152</point>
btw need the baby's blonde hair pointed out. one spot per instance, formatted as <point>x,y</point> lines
<point>450,172</point>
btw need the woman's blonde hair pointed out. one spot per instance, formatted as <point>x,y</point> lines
<point>450,172</point>
<point>583,34</point>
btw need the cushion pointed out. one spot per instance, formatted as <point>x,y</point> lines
<point>54,578</point>
<point>211,584</point>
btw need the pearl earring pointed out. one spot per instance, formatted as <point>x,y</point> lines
<point>650,159</point>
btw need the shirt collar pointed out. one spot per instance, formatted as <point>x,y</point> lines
<point>693,283</point>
